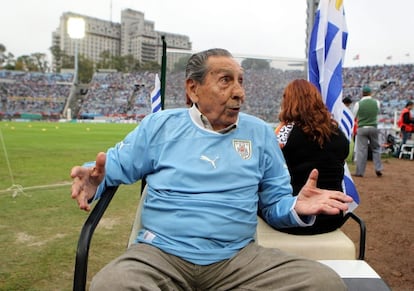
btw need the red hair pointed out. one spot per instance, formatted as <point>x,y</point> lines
<point>302,104</point>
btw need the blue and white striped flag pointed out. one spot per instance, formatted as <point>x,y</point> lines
<point>156,96</point>
<point>326,54</point>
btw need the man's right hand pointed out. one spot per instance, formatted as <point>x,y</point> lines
<point>86,180</point>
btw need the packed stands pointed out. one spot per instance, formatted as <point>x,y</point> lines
<point>32,94</point>
<point>121,95</point>
<point>393,86</point>
<point>126,95</point>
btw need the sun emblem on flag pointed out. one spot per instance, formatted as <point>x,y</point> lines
<point>338,4</point>
<point>243,148</point>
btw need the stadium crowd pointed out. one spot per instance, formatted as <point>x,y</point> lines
<point>33,93</point>
<point>393,86</point>
<point>117,94</point>
<point>127,95</point>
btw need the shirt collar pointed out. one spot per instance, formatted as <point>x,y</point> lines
<point>201,121</point>
<point>366,97</point>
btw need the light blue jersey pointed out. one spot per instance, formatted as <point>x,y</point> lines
<point>203,187</point>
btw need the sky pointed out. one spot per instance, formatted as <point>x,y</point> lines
<point>380,31</point>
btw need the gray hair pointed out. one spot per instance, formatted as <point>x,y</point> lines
<point>196,68</point>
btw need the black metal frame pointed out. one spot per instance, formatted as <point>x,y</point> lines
<point>362,233</point>
<point>82,253</point>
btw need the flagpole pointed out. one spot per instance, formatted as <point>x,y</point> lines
<point>163,70</point>
<point>162,89</point>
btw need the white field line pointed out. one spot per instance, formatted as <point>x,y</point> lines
<point>16,189</point>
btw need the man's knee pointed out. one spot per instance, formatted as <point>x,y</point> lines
<point>105,280</point>
<point>324,278</point>
<point>123,274</point>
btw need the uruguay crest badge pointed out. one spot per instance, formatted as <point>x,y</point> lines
<point>243,148</point>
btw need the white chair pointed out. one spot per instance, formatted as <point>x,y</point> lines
<point>407,149</point>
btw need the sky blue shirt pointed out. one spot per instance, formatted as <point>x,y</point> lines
<point>204,187</point>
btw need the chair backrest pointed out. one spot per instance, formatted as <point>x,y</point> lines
<point>137,225</point>
<point>407,149</point>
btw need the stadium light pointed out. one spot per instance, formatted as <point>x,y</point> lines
<point>76,27</point>
<point>76,31</point>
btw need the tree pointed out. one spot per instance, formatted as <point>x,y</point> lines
<point>40,61</point>
<point>23,63</point>
<point>6,59</point>
<point>68,62</point>
<point>2,51</point>
<point>10,63</point>
<point>57,54</point>
<point>120,63</point>
<point>106,60</point>
<point>36,62</point>
<point>85,69</point>
<point>150,66</point>
<point>125,64</point>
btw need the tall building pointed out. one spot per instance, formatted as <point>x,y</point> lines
<point>134,36</point>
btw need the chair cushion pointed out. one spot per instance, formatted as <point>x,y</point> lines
<point>335,245</point>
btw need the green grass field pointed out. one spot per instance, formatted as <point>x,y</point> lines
<point>39,227</point>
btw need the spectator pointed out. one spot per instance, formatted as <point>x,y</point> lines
<point>366,112</point>
<point>406,124</point>
<point>311,139</point>
<point>347,101</point>
<point>200,214</point>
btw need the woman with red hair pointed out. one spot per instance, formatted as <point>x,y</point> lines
<point>310,138</point>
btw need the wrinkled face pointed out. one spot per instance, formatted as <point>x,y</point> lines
<point>220,96</point>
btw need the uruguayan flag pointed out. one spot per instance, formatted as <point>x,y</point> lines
<point>326,54</point>
<point>156,96</point>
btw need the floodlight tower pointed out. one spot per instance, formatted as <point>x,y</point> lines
<point>76,31</point>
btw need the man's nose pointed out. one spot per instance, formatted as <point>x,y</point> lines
<point>238,91</point>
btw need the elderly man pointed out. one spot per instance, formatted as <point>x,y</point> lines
<point>208,169</point>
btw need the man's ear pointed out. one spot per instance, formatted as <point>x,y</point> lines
<point>191,90</point>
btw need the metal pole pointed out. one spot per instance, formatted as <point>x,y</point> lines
<point>76,62</point>
<point>74,83</point>
<point>163,70</point>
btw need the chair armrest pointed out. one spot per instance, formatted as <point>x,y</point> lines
<point>362,233</point>
<point>81,264</point>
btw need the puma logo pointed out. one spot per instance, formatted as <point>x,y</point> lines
<point>212,162</point>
